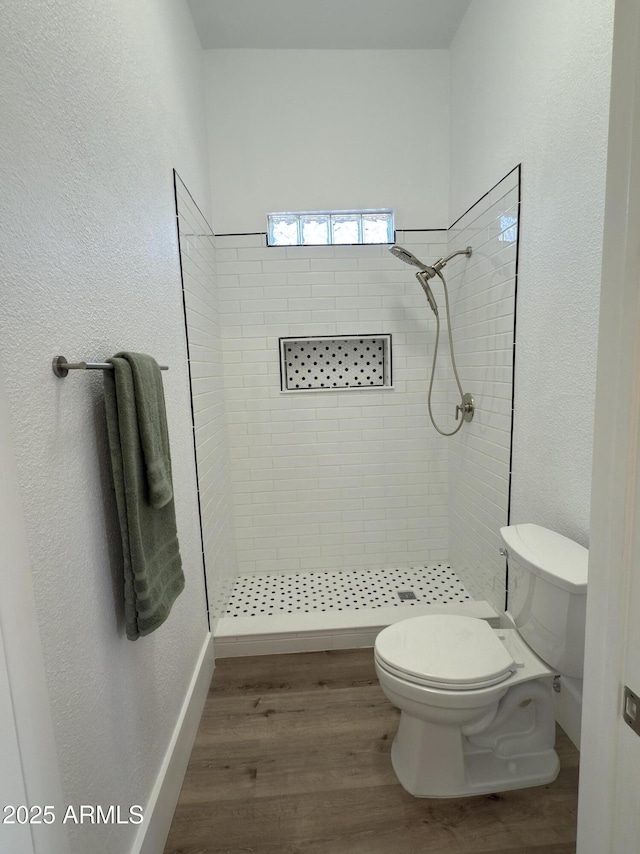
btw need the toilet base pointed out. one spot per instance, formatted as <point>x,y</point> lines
<point>435,761</point>
<point>489,773</point>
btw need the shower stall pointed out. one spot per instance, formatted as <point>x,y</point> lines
<point>329,510</point>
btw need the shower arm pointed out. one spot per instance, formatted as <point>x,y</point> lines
<point>443,261</point>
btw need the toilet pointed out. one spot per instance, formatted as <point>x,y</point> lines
<point>476,703</point>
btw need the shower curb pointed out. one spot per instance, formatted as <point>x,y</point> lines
<point>310,632</point>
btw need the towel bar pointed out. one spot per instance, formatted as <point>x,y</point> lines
<point>61,367</point>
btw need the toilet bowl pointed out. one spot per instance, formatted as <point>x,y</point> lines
<point>476,702</point>
<point>454,740</point>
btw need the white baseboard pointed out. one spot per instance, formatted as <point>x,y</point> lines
<point>158,813</point>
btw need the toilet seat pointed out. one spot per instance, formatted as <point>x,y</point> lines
<point>447,652</point>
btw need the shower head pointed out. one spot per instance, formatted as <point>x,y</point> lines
<point>426,272</point>
<point>423,276</point>
<point>409,258</point>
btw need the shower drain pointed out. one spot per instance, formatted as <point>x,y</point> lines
<point>406,594</point>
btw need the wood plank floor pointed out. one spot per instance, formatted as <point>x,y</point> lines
<point>292,755</point>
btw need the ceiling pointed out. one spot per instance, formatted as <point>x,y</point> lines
<point>328,24</point>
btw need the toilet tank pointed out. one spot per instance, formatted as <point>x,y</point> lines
<point>548,594</point>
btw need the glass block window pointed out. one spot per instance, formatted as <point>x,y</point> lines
<point>322,228</point>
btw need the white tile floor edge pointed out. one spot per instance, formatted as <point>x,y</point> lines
<point>309,632</point>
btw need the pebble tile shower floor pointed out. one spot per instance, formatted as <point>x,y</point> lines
<point>290,593</point>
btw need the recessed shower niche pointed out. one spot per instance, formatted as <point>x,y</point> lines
<point>350,362</point>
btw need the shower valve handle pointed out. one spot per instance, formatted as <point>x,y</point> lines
<point>467,409</point>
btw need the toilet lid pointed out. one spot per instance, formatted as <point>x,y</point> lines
<point>449,651</point>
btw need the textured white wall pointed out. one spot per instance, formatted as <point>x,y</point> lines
<point>202,306</point>
<point>530,84</point>
<point>327,480</point>
<point>98,105</point>
<point>482,291</point>
<point>323,129</point>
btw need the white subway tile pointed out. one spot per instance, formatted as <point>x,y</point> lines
<point>240,241</point>
<point>315,278</point>
<point>286,266</point>
<point>262,253</point>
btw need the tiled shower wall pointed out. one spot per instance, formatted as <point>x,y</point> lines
<point>338,480</point>
<point>330,480</point>
<point>482,291</point>
<point>198,260</point>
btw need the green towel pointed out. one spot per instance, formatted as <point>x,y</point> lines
<point>141,467</point>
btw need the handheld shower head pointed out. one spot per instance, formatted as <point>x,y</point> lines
<point>423,277</point>
<point>409,258</point>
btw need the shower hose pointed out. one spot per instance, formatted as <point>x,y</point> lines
<point>453,364</point>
